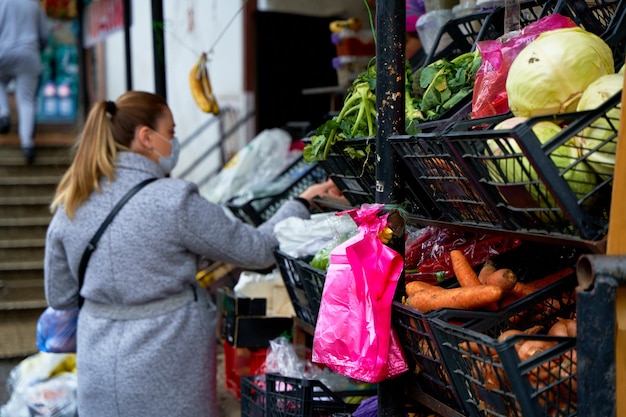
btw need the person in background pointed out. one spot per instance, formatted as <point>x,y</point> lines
<point>146,339</point>
<point>413,47</point>
<point>23,35</point>
<point>414,52</point>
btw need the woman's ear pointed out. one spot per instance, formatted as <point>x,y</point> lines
<point>142,138</point>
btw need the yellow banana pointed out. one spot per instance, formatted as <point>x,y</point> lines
<point>200,86</point>
<point>350,24</point>
<point>386,234</point>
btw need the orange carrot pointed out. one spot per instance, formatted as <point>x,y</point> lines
<point>464,272</point>
<point>415,286</point>
<point>522,289</point>
<point>503,278</point>
<point>475,297</point>
<point>489,267</point>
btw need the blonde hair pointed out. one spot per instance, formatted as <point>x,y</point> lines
<point>110,127</point>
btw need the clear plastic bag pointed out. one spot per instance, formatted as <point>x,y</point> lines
<point>30,372</point>
<point>55,397</point>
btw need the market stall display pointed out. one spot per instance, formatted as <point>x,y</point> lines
<point>544,177</point>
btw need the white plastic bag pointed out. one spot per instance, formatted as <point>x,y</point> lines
<point>264,158</point>
<point>301,238</point>
<point>29,372</point>
<point>55,397</point>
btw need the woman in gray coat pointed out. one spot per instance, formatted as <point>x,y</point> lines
<point>146,332</point>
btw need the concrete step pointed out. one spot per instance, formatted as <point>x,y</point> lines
<point>21,228</point>
<point>35,272</point>
<point>26,192</point>
<point>19,250</point>
<point>28,186</point>
<point>19,332</point>
<point>21,295</point>
<point>13,207</point>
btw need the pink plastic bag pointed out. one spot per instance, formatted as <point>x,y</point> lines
<point>353,335</point>
<point>490,96</point>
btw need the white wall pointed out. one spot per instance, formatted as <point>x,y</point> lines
<point>191,27</point>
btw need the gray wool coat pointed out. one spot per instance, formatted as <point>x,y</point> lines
<point>146,340</point>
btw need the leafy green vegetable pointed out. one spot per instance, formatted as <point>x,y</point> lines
<point>357,118</point>
<point>429,93</point>
<point>437,87</point>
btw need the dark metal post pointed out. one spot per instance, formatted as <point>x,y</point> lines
<point>158,45</point>
<point>599,278</point>
<point>127,45</point>
<point>83,89</point>
<point>390,79</point>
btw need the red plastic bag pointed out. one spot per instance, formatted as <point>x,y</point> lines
<point>427,252</point>
<point>353,335</point>
<point>490,96</point>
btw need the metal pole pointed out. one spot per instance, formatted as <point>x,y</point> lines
<point>158,45</point>
<point>82,59</point>
<point>127,45</point>
<point>600,279</point>
<point>390,79</point>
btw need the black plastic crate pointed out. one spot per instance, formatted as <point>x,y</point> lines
<point>429,373</point>
<point>352,166</point>
<point>313,280</point>
<point>291,183</point>
<point>304,285</point>
<point>459,35</point>
<point>297,397</point>
<point>253,396</point>
<point>594,16</point>
<point>458,197</point>
<point>280,396</point>
<point>489,375</point>
<point>538,199</point>
<point>615,35</point>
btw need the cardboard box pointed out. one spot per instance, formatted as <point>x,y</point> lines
<point>242,321</point>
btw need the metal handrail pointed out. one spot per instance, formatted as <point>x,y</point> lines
<point>218,146</point>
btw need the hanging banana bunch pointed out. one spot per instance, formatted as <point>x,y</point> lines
<point>200,85</point>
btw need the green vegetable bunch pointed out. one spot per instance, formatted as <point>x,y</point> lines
<point>430,92</point>
<point>437,87</point>
<point>357,118</point>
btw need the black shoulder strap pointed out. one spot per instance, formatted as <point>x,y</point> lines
<point>94,240</point>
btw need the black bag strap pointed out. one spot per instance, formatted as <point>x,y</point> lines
<point>96,237</point>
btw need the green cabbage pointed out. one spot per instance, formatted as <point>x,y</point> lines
<point>602,160</point>
<point>551,73</point>
<point>518,169</point>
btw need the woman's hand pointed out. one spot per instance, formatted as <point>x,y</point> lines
<point>324,189</point>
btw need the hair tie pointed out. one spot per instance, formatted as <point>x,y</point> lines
<point>111,108</point>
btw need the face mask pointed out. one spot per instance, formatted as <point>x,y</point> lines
<point>167,163</point>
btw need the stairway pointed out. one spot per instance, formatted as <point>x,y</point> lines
<point>25,195</point>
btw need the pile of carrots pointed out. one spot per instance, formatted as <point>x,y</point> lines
<point>490,289</point>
